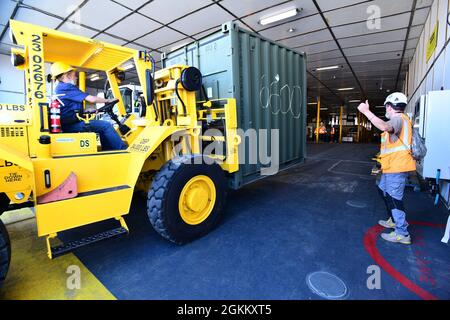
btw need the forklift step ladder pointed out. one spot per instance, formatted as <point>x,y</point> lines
<point>62,249</point>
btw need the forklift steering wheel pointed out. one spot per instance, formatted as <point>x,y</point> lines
<point>107,108</point>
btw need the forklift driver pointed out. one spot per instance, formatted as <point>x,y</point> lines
<point>73,98</point>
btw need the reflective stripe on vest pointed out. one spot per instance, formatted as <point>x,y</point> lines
<point>396,149</point>
<point>404,147</point>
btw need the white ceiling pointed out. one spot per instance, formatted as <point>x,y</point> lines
<point>161,25</point>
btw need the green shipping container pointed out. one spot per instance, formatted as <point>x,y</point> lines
<point>268,82</point>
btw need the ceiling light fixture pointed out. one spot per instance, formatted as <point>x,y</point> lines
<point>277,16</point>
<point>327,68</point>
<point>323,109</point>
<point>312,103</point>
<point>128,66</point>
<point>355,101</point>
<point>94,77</point>
<point>346,89</point>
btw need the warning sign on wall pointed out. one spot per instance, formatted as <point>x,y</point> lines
<point>432,42</point>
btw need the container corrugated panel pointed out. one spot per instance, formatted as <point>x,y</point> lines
<point>268,82</point>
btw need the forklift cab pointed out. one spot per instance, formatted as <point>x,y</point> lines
<point>34,49</point>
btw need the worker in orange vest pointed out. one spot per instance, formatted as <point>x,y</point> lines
<point>396,163</point>
<point>322,131</point>
<point>332,134</point>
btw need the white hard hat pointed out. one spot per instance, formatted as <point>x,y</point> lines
<point>397,98</point>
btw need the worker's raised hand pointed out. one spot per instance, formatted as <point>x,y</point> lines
<point>364,107</point>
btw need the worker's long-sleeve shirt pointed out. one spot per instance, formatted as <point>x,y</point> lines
<point>73,101</point>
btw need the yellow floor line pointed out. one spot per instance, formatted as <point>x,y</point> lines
<point>32,276</point>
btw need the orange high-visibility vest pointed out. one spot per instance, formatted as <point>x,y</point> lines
<point>322,130</point>
<point>396,157</point>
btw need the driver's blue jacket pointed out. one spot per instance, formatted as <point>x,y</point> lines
<point>73,102</point>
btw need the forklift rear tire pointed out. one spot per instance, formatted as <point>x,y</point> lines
<point>5,253</point>
<point>4,203</point>
<point>186,198</point>
<point>5,246</point>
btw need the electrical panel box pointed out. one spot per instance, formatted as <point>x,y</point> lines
<point>432,118</point>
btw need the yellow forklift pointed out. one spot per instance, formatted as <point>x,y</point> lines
<point>67,179</point>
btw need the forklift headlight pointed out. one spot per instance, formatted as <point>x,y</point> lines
<point>19,196</point>
<point>17,59</point>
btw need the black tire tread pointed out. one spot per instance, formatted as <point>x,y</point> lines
<point>5,252</point>
<point>157,195</point>
<point>4,203</point>
<point>155,200</point>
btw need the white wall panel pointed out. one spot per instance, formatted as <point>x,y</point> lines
<point>432,24</point>
<point>442,17</point>
<point>420,59</point>
<point>13,98</point>
<point>448,25</point>
<point>6,9</point>
<point>439,76</point>
<point>438,73</point>
<point>447,69</point>
<point>429,81</point>
<point>423,57</point>
<point>11,79</point>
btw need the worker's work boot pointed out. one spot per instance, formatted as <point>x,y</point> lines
<point>396,238</point>
<point>387,223</point>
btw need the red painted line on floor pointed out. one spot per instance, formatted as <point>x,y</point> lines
<point>427,224</point>
<point>370,243</point>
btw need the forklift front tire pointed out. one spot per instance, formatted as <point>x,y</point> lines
<point>186,198</point>
<point>5,253</point>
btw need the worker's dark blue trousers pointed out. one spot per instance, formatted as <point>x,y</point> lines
<point>392,187</point>
<point>109,138</point>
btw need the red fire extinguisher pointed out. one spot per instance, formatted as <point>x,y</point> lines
<point>55,117</point>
